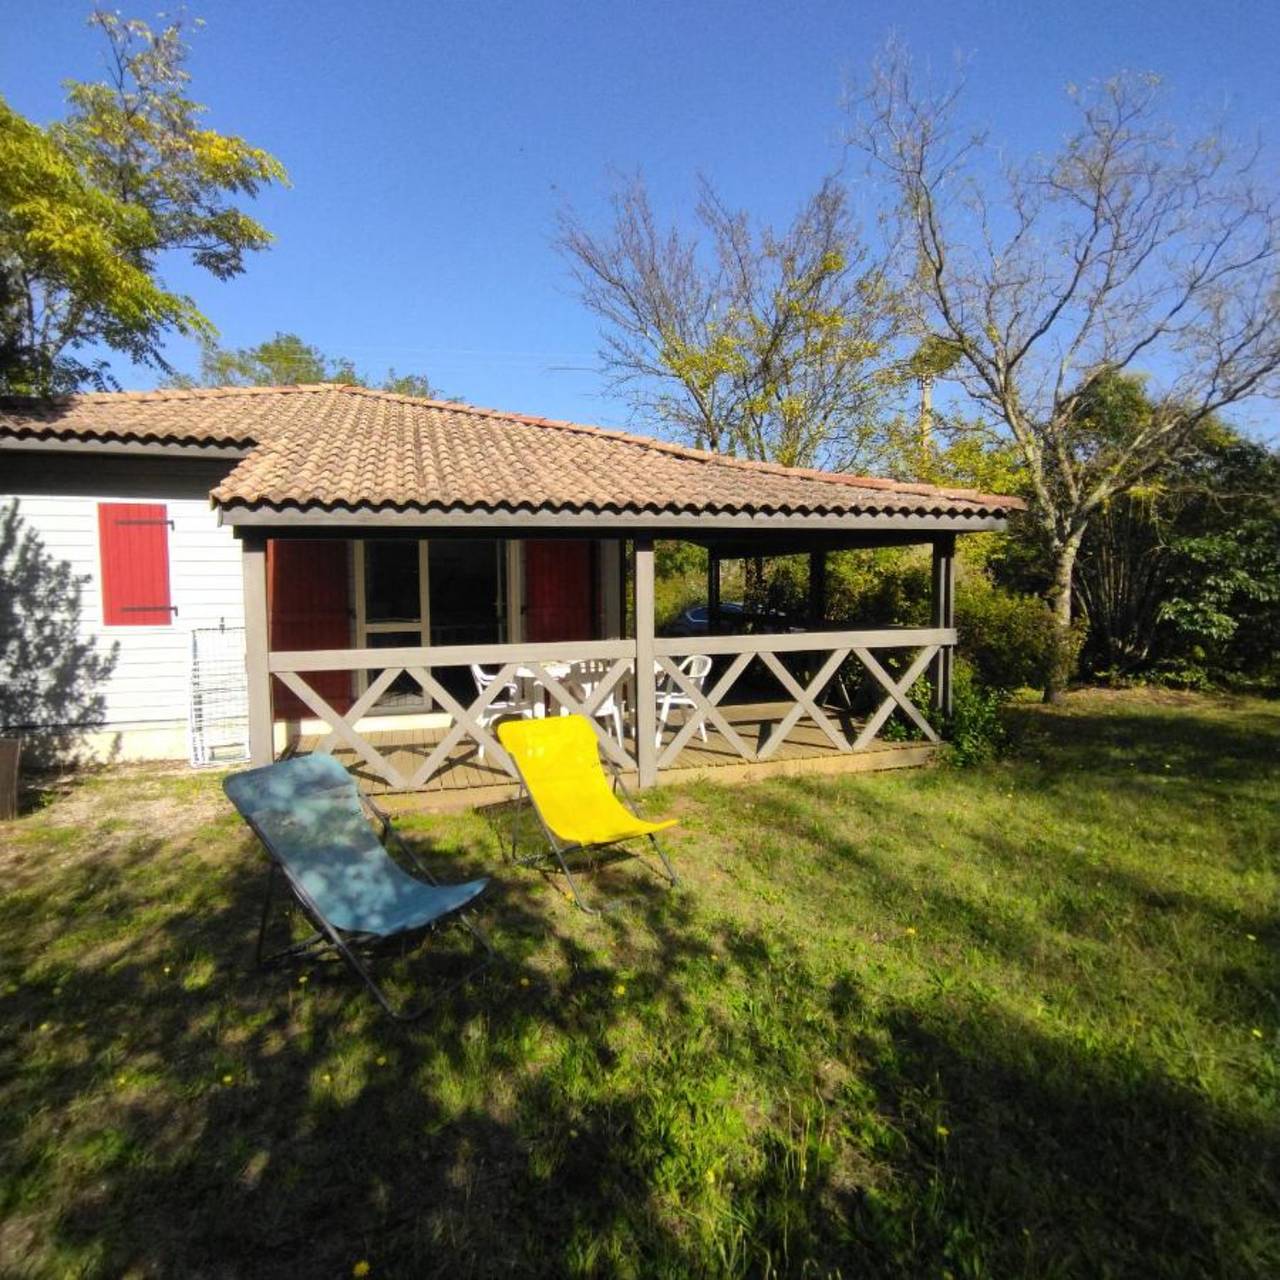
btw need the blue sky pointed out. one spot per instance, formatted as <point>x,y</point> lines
<point>431,144</point>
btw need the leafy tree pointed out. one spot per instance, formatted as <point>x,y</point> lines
<point>89,206</point>
<point>1127,248</point>
<point>70,270</point>
<point>1217,522</point>
<point>1171,571</point>
<point>763,344</point>
<point>286,360</point>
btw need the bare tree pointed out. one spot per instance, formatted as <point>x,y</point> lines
<point>1129,248</point>
<point>766,345</point>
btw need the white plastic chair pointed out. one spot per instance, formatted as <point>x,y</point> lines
<point>509,702</point>
<point>583,677</point>
<point>695,668</point>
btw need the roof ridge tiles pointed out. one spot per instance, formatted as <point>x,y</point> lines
<point>322,433</point>
<point>848,479</point>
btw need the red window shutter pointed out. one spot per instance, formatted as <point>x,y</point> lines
<point>133,540</point>
<point>560,590</point>
<point>307,599</point>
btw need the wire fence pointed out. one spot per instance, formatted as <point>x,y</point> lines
<point>219,717</point>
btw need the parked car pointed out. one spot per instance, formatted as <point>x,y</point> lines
<point>697,620</point>
<point>734,620</point>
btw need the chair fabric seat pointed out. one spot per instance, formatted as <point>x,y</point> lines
<point>560,762</point>
<point>309,816</point>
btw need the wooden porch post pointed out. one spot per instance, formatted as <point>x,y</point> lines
<point>253,564</point>
<point>713,591</point>
<point>646,692</point>
<point>612,584</point>
<point>817,589</point>
<point>944,615</point>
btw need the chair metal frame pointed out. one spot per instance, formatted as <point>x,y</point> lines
<point>561,850</point>
<point>344,941</point>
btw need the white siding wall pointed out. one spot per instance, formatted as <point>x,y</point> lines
<point>148,689</point>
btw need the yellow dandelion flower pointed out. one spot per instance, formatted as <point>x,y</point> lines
<point>327,1078</point>
<point>381,1060</point>
<point>910,931</point>
<point>120,1081</point>
<point>524,982</point>
<point>620,989</point>
<point>302,980</point>
<point>1257,1034</point>
<point>228,1079</point>
<point>942,1131</point>
<point>711,1175</point>
<point>361,1268</point>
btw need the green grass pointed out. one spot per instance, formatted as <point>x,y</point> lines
<point>1013,1021</point>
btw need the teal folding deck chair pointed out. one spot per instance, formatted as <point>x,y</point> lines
<point>307,811</point>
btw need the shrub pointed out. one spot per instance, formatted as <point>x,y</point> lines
<point>975,729</point>
<point>1009,639</point>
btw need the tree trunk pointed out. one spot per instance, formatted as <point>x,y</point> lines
<point>1063,652</point>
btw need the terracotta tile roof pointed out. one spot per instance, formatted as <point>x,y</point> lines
<point>338,448</point>
<point>224,415</point>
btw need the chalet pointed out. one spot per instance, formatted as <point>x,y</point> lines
<point>329,567</point>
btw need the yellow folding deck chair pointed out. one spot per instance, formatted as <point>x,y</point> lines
<point>558,760</point>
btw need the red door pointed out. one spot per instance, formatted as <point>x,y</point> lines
<point>308,601</point>
<point>560,590</point>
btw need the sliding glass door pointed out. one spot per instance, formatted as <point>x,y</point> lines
<point>409,592</point>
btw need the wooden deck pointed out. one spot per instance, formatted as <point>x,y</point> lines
<point>467,781</point>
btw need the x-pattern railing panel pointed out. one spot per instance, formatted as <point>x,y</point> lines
<point>897,691</point>
<point>531,664</point>
<point>466,718</point>
<point>706,707</point>
<point>466,722</point>
<point>343,729</point>
<point>806,702</point>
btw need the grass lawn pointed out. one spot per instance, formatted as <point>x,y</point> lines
<point>1019,1020</point>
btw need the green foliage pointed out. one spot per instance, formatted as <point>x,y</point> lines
<point>975,730</point>
<point>286,360</point>
<point>1181,580</point>
<point>680,579</point>
<point>951,450</point>
<point>1221,610</point>
<point>774,345</point>
<point>72,269</point>
<point>1008,638</point>
<point>886,587</point>
<point>89,206</point>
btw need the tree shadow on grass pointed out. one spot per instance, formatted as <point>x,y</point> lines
<point>1024,1154</point>
<point>168,1111</point>
<point>245,1123</point>
<point>1236,745</point>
